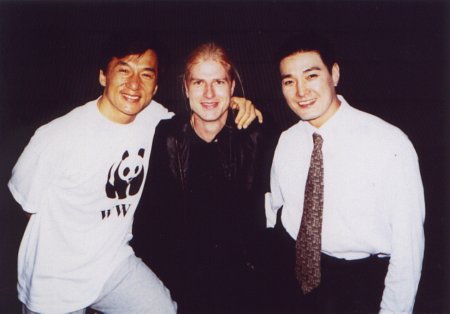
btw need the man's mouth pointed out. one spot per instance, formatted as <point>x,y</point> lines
<point>209,105</point>
<point>306,103</point>
<point>131,98</point>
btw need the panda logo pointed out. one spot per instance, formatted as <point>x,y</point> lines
<point>125,178</point>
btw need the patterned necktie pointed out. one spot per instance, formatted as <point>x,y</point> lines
<point>308,244</point>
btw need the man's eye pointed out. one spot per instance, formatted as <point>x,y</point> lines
<point>123,70</point>
<point>148,75</point>
<point>220,82</point>
<point>312,76</point>
<point>287,82</point>
<point>196,83</point>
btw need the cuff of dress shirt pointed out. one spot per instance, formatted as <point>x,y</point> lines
<point>385,311</point>
<point>271,215</point>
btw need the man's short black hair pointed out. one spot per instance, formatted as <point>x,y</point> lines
<point>121,44</point>
<point>307,41</point>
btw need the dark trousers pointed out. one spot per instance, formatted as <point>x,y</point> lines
<point>347,286</point>
<point>220,281</point>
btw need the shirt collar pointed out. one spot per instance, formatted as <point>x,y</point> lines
<point>227,129</point>
<point>337,120</point>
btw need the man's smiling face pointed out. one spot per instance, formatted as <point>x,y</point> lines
<point>308,86</point>
<point>130,84</point>
<point>209,90</point>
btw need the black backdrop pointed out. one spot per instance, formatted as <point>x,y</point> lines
<point>394,63</point>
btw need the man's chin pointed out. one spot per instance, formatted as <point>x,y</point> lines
<point>133,109</point>
<point>207,118</point>
<point>307,117</point>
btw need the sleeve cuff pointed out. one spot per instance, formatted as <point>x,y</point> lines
<point>271,215</point>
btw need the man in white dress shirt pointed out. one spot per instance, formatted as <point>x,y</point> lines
<point>372,238</point>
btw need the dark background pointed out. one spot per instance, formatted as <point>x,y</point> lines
<point>394,64</point>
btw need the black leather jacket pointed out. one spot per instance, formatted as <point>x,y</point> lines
<point>166,228</point>
<point>239,151</point>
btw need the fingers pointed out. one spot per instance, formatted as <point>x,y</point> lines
<point>235,102</point>
<point>239,104</point>
<point>259,115</point>
<point>247,112</point>
<point>247,116</point>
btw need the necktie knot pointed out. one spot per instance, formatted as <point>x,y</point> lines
<point>318,140</point>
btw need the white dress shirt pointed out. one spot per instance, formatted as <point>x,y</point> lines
<point>373,195</point>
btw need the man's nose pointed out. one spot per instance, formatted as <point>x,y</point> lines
<point>301,89</point>
<point>209,91</point>
<point>133,82</point>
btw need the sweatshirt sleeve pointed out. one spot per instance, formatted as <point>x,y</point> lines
<point>34,171</point>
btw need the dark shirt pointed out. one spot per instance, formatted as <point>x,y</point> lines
<point>202,213</point>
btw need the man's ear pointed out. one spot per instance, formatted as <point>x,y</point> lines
<point>233,84</point>
<point>335,74</point>
<point>155,90</point>
<point>185,89</point>
<point>102,78</point>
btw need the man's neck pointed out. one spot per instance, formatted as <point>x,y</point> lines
<point>207,130</point>
<point>112,114</point>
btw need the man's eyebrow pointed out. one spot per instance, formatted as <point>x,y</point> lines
<point>313,68</point>
<point>145,69</point>
<point>283,76</point>
<point>214,79</point>
<point>150,69</point>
